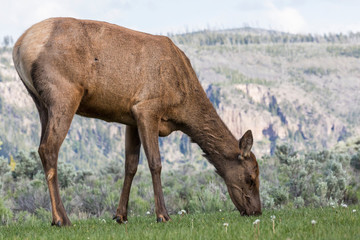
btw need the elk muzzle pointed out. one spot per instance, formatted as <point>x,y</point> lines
<point>248,204</point>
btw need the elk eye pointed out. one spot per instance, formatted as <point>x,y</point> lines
<point>249,180</point>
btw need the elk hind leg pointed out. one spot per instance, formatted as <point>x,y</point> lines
<point>56,118</point>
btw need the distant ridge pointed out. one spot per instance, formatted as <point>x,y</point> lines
<point>249,35</point>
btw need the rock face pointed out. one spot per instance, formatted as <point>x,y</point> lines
<point>274,123</point>
<point>301,93</point>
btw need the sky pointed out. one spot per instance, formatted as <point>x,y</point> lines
<point>170,16</point>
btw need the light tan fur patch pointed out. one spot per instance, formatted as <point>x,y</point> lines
<point>50,174</point>
<point>28,48</point>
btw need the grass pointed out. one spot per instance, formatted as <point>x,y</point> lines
<point>338,223</point>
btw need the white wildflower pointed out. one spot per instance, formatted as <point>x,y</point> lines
<point>344,205</point>
<point>220,210</point>
<point>226,226</point>
<point>256,221</point>
<point>148,213</point>
<point>273,222</point>
<point>354,210</point>
<point>182,212</point>
<point>313,222</point>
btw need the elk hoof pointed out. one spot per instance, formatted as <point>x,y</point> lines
<point>163,219</point>
<point>57,224</point>
<point>120,219</point>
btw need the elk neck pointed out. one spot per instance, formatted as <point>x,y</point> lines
<point>212,135</point>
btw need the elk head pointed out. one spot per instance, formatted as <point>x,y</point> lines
<point>242,178</point>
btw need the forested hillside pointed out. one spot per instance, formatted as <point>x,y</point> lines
<point>295,89</point>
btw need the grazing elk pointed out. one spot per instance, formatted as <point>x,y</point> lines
<point>100,70</point>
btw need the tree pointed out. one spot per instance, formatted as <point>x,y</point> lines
<point>355,161</point>
<point>8,40</point>
<point>4,166</point>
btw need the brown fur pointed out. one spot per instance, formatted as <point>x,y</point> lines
<point>100,70</point>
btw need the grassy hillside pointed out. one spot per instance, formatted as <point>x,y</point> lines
<point>297,89</point>
<point>338,223</point>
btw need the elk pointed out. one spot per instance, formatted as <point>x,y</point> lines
<point>101,70</point>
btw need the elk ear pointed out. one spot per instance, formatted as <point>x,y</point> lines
<point>245,143</point>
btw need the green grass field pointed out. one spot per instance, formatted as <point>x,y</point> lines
<point>331,223</point>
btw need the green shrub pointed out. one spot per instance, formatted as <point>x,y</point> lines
<point>355,161</point>
<point>6,214</point>
<point>311,179</point>
<point>31,195</point>
<point>43,214</point>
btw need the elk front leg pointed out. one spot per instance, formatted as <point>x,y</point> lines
<point>132,151</point>
<point>148,125</point>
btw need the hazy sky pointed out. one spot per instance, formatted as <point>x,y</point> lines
<point>163,16</point>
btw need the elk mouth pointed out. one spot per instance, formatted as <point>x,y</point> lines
<point>246,205</point>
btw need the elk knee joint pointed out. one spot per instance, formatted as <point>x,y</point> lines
<point>50,174</point>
